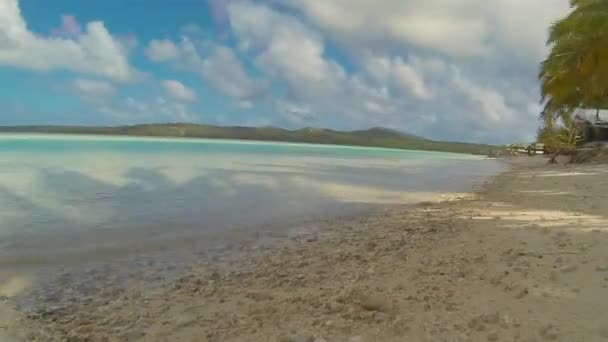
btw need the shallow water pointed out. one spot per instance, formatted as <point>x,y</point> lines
<point>72,199</point>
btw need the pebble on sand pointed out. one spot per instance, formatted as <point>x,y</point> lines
<point>569,269</point>
<point>374,303</point>
<point>601,268</point>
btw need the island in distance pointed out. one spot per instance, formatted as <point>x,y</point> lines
<point>373,137</point>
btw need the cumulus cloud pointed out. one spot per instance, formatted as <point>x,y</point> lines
<point>161,50</point>
<point>288,49</point>
<point>178,91</point>
<point>399,74</point>
<point>446,69</point>
<point>219,67</point>
<point>94,51</point>
<point>93,88</point>
<point>319,89</point>
<point>224,71</point>
<point>456,28</point>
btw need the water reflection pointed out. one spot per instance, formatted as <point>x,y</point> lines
<point>122,197</point>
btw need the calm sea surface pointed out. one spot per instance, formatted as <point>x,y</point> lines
<point>83,196</point>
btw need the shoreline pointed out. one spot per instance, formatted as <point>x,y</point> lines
<point>499,266</point>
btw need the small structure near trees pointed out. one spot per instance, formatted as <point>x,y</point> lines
<point>592,129</point>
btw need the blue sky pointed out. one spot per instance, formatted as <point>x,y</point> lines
<point>445,69</point>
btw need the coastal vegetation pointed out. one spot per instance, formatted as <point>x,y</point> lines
<point>374,137</point>
<point>574,77</point>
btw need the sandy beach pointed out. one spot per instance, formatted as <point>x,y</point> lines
<point>523,259</point>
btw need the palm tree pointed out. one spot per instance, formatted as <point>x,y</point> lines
<point>575,74</point>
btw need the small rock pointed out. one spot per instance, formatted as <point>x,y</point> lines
<point>303,339</point>
<point>374,303</point>
<point>549,332</point>
<point>553,276</point>
<point>505,321</point>
<point>355,339</point>
<point>602,268</point>
<point>493,336</point>
<point>259,295</point>
<point>320,339</point>
<point>312,239</point>
<point>522,294</point>
<point>283,338</point>
<point>491,318</point>
<point>125,336</point>
<point>569,269</point>
<point>380,317</point>
<point>400,325</point>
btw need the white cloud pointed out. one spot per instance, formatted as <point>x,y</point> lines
<point>295,113</point>
<point>443,25</point>
<point>161,50</point>
<point>224,71</point>
<point>399,74</point>
<point>93,88</point>
<point>492,105</point>
<point>459,70</point>
<point>245,104</point>
<point>318,89</point>
<point>220,68</point>
<point>520,26</point>
<point>289,49</point>
<point>94,51</point>
<point>145,110</point>
<point>178,91</point>
<point>456,28</point>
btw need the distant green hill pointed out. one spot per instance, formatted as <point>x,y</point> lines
<point>377,137</point>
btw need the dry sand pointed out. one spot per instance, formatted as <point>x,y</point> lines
<point>525,260</point>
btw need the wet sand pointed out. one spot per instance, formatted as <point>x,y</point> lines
<point>524,259</point>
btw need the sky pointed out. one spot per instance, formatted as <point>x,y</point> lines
<point>445,69</point>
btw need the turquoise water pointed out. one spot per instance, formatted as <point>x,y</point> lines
<point>92,196</point>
